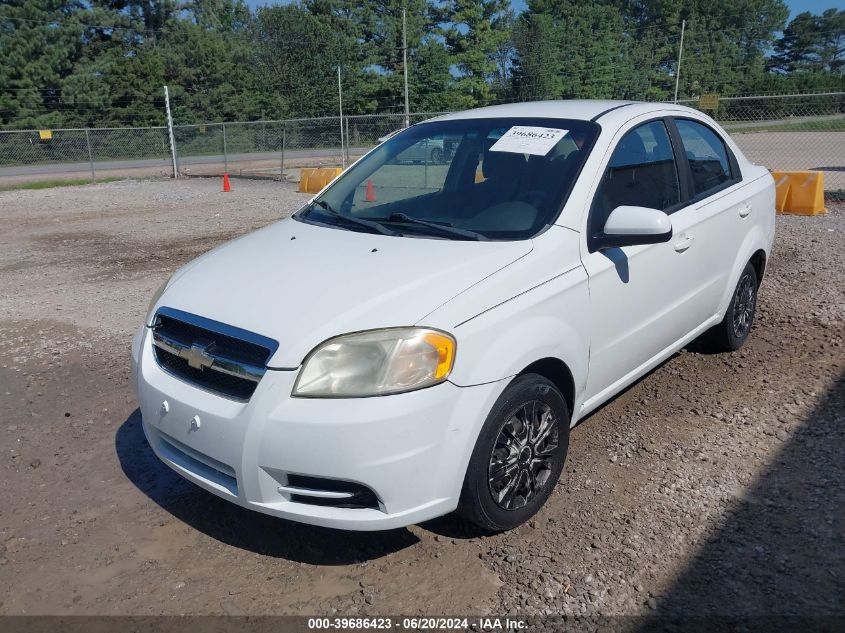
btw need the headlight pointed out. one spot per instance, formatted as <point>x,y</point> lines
<point>376,363</point>
<point>156,297</point>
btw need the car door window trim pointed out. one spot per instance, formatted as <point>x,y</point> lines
<point>684,187</point>
<point>683,162</point>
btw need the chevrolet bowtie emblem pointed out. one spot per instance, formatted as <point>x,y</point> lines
<point>197,355</point>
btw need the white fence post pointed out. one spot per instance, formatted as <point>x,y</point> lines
<point>170,132</point>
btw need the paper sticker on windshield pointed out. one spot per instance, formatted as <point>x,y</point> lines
<point>527,139</point>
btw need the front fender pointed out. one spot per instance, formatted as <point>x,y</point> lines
<point>548,321</point>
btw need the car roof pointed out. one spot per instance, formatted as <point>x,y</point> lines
<point>579,109</point>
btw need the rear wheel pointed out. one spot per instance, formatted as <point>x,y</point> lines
<point>518,457</point>
<point>734,329</point>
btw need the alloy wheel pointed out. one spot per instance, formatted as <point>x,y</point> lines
<point>744,303</point>
<point>521,460</point>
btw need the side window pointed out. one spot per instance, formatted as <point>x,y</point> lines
<point>642,173</point>
<point>707,155</point>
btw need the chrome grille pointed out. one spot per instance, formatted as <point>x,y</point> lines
<point>211,355</point>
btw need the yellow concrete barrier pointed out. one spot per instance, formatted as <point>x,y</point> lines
<point>313,179</point>
<point>799,192</point>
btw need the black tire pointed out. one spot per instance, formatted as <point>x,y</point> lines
<point>734,329</point>
<point>437,156</point>
<point>533,469</point>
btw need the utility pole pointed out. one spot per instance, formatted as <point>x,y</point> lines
<point>680,54</point>
<point>340,107</point>
<point>405,66</point>
<point>170,132</point>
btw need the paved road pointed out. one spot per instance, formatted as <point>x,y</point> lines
<point>59,169</point>
<point>822,151</point>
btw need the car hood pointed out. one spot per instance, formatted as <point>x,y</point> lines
<point>301,284</point>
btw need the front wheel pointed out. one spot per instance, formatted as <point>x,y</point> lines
<point>733,331</point>
<point>518,457</point>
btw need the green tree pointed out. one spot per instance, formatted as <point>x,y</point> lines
<point>208,64</point>
<point>474,30</point>
<point>725,43</point>
<point>40,41</point>
<point>537,65</point>
<point>382,35</point>
<point>432,87</point>
<point>350,21</point>
<point>628,48</point>
<point>812,43</point>
<point>572,50</point>
<point>152,15</point>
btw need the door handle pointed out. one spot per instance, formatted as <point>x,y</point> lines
<point>744,210</point>
<point>683,244</point>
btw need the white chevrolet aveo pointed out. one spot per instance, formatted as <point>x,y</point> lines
<point>422,335</point>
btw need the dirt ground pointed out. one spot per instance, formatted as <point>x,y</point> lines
<point>716,485</point>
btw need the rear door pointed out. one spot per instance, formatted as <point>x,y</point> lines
<point>713,223</point>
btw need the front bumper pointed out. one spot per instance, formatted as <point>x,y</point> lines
<point>410,449</point>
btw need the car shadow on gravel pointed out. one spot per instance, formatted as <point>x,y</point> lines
<point>780,551</point>
<point>239,527</point>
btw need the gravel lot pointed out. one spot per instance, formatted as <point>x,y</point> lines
<point>716,485</point>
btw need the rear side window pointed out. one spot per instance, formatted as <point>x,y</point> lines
<point>642,173</point>
<point>707,156</point>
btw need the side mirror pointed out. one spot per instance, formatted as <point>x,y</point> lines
<point>630,226</point>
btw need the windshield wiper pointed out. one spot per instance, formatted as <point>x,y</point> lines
<point>442,227</point>
<point>370,224</point>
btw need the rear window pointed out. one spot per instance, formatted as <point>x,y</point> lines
<point>707,156</point>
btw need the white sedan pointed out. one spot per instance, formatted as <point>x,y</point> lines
<point>417,340</point>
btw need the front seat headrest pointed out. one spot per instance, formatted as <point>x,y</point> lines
<point>502,165</point>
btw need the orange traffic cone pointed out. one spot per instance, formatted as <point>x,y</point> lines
<point>371,195</point>
<point>226,186</point>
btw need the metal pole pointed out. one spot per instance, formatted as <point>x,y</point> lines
<point>90,155</point>
<point>347,140</point>
<point>405,67</point>
<point>340,108</point>
<point>680,54</point>
<point>225,152</point>
<point>283,152</point>
<point>170,132</point>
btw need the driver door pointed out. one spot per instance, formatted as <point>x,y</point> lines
<point>638,294</point>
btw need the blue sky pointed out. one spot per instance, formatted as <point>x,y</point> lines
<point>795,6</point>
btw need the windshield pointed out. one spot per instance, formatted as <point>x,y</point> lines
<point>471,179</point>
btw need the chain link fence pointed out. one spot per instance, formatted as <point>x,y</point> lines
<point>787,132</point>
<point>784,132</point>
<point>262,147</point>
<point>85,150</point>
